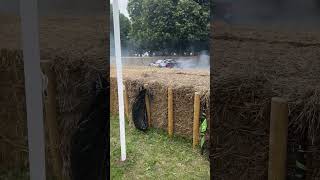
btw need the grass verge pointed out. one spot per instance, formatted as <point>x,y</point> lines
<point>14,174</point>
<point>153,155</point>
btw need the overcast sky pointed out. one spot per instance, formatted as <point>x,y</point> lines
<point>122,6</point>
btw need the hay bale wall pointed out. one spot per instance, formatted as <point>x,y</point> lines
<point>74,78</point>
<point>114,109</point>
<point>251,67</point>
<point>78,47</point>
<point>74,84</point>
<point>13,134</point>
<point>183,97</point>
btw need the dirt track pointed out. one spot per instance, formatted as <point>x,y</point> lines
<point>74,35</point>
<point>199,79</point>
<point>285,57</point>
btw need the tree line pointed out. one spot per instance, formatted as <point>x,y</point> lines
<point>165,27</point>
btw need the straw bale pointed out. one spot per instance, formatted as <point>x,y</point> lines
<point>251,67</point>
<point>13,141</point>
<point>77,47</point>
<point>74,88</point>
<point>114,107</point>
<point>184,84</point>
<point>74,85</point>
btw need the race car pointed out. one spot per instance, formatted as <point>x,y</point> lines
<point>164,63</point>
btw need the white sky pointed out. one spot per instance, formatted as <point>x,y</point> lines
<point>122,6</point>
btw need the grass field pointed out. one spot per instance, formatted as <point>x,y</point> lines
<point>153,155</point>
<point>14,174</point>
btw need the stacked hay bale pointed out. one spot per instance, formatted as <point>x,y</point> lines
<point>13,133</point>
<point>250,67</point>
<point>156,81</point>
<point>77,47</point>
<point>74,78</point>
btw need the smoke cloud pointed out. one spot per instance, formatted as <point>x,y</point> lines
<point>200,62</point>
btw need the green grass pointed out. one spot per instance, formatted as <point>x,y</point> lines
<point>14,174</point>
<point>153,155</point>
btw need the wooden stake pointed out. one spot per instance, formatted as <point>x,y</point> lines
<point>170,112</point>
<point>51,120</point>
<point>126,103</point>
<point>148,107</point>
<point>278,139</point>
<point>196,119</point>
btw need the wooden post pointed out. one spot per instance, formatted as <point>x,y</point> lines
<point>51,120</point>
<point>170,112</point>
<point>196,119</point>
<point>278,139</point>
<point>148,107</point>
<point>126,103</point>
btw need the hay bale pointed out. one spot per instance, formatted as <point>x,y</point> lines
<point>251,67</point>
<point>74,87</point>
<point>114,109</point>
<point>184,85</point>
<point>241,132</point>
<point>74,84</point>
<point>78,48</point>
<point>241,128</point>
<point>13,141</point>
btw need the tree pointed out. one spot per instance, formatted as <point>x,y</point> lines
<point>125,28</point>
<point>192,25</point>
<point>152,29</point>
<point>169,26</point>
<point>139,43</point>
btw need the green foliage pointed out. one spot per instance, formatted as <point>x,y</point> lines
<point>203,127</point>
<point>202,141</point>
<point>168,26</point>
<point>125,27</point>
<point>203,130</point>
<point>152,28</point>
<point>192,25</point>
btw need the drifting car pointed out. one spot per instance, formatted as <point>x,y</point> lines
<point>164,63</point>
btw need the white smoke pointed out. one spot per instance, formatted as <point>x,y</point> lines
<point>200,62</point>
<point>204,60</point>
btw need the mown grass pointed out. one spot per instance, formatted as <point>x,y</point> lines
<point>153,155</point>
